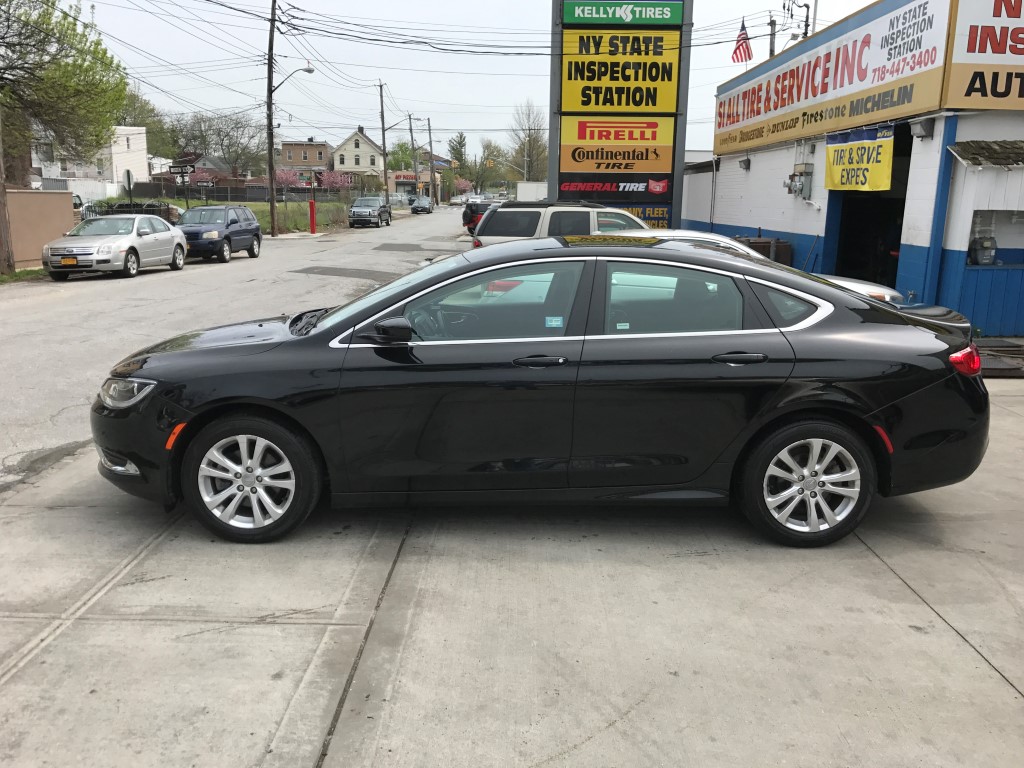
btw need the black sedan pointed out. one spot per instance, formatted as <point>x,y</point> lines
<point>422,205</point>
<point>577,368</point>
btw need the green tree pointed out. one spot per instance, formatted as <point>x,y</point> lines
<point>56,74</point>
<point>139,111</point>
<point>457,149</point>
<point>400,156</point>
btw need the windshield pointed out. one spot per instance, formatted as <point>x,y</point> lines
<point>202,216</point>
<point>435,270</point>
<point>367,202</point>
<point>108,225</point>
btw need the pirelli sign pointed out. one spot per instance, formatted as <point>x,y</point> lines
<point>622,66</point>
<point>616,145</point>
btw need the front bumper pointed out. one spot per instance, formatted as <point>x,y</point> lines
<point>199,247</point>
<point>112,263</point>
<point>132,446</point>
<point>364,219</point>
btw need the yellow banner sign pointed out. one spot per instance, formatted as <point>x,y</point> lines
<point>624,70</point>
<point>617,144</point>
<point>860,160</point>
<point>986,57</point>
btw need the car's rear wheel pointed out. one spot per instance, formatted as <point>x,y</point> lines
<point>224,256</point>
<point>254,249</point>
<point>131,264</point>
<point>249,479</point>
<point>808,484</point>
<point>59,277</point>
<point>178,258</point>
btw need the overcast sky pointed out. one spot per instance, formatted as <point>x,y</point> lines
<point>191,55</point>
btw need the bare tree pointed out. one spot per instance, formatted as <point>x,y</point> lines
<point>240,141</point>
<point>528,145</point>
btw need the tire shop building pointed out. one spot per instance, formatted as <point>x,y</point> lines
<point>887,147</point>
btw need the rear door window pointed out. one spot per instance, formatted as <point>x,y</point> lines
<point>614,222</point>
<point>569,223</point>
<point>509,222</point>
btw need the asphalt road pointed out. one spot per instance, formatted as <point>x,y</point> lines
<point>480,636</point>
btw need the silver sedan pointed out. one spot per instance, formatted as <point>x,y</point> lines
<point>123,244</point>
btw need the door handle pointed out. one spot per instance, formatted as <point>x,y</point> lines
<point>539,361</point>
<point>740,358</point>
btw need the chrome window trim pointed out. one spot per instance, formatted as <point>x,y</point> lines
<point>450,280</point>
<point>825,308</point>
<point>605,336</point>
<point>336,342</point>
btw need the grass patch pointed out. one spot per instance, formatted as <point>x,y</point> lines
<point>22,275</point>
<point>292,216</point>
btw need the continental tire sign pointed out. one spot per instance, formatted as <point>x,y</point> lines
<point>617,145</point>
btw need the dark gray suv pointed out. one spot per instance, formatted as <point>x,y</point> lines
<point>369,211</point>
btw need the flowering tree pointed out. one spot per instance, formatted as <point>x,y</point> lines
<point>462,186</point>
<point>335,180</point>
<point>286,178</point>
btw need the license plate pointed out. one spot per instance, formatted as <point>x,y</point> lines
<point>69,260</point>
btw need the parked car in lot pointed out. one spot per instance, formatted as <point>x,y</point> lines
<point>366,211</point>
<point>422,205</point>
<point>220,230</point>
<point>123,244</point>
<point>624,371</point>
<point>695,237</point>
<point>512,221</point>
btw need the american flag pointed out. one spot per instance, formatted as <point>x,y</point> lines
<point>742,51</point>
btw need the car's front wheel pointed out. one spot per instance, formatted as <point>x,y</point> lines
<point>59,277</point>
<point>224,255</point>
<point>249,479</point>
<point>178,258</point>
<point>131,264</point>
<point>808,484</point>
<point>379,222</point>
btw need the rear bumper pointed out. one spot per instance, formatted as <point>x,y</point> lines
<point>939,434</point>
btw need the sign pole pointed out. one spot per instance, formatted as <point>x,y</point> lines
<point>679,166</point>
<point>555,100</point>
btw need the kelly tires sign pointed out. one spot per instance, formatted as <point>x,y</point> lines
<point>646,13</point>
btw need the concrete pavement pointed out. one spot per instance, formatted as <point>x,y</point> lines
<point>576,636</point>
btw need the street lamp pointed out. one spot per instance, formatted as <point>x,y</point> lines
<point>271,184</point>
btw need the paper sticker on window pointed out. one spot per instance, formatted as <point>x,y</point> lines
<point>622,326</point>
<point>553,322</point>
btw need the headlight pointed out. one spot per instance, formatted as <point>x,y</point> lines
<point>46,251</point>
<point>122,393</point>
<point>105,250</point>
<point>211,235</point>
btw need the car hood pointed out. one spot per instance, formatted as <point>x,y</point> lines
<point>200,227</point>
<point>86,241</point>
<point>240,339</point>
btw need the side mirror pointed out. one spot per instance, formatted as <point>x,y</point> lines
<point>143,231</point>
<point>232,221</point>
<point>393,330</point>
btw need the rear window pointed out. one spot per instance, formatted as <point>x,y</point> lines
<point>510,223</point>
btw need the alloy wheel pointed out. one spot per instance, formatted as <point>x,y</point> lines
<point>246,481</point>
<point>812,485</point>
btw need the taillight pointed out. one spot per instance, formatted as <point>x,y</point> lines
<point>967,361</point>
<point>477,243</point>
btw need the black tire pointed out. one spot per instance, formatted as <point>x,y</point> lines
<point>804,492</point>
<point>254,249</point>
<point>59,277</point>
<point>178,258</point>
<point>131,264</point>
<point>389,220</point>
<point>224,255</point>
<point>379,223</point>
<point>351,226</point>
<point>286,444</point>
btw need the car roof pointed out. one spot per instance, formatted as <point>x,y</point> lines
<point>550,204</point>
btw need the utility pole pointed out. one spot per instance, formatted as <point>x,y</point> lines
<point>271,186</point>
<point>415,161</point>
<point>814,18</point>
<point>6,246</point>
<point>430,141</point>
<point>771,38</point>
<point>384,141</point>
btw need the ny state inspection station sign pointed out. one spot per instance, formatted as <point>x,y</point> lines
<point>622,69</point>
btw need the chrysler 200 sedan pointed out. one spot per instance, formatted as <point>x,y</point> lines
<point>577,368</point>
